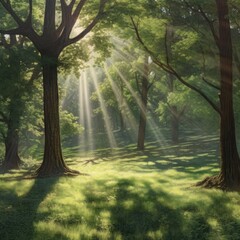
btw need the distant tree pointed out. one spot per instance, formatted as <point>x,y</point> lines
<point>16,86</point>
<point>55,36</point>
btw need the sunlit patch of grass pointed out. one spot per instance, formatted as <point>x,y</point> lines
<point>126,195</point>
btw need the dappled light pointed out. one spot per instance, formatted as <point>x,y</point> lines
<point>119,120</point>
<point>125,196</point>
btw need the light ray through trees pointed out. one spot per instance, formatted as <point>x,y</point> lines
<point>106,118</point>
<point>153,126</point>
<point>85,112</point>
<point>125,110</point>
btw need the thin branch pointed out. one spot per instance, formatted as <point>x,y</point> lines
<point>29,18</point>
<point>214,106</point>
<point>154,58</point>
<point>204,69</point>
<point>169,69</point>
<point>210,23</point>
<point>166,45</point>
<point>17,31</point>
<point>91,25</point>
<point>149,85</point>
<point>7,5</point>
<point>66,13</point>
<point>77,11</point>
<point>200,11</point>
<point>210,84</point>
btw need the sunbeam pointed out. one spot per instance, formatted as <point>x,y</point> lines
<point>85,111</point>
<point>126,112</point>
<point>153,126</point>
<point>111,138</point>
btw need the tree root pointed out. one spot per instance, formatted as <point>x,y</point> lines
<point>43,173</point>
<point>218,182</point>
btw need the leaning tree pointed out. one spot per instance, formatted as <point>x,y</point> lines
<point>60,29</point>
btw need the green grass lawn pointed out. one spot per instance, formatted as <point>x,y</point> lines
<point>124,195</point>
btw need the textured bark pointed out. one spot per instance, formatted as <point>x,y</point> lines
<point>143,107</point>
<point>229,177</point>
<point>11,159</point>
<point>230,169</point>
<point>50,43</point>
<point>53,163</point>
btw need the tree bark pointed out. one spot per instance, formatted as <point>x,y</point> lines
<point>143,108</point>
<point>230,168</point>
<point>11,159</point>
<point>229,177</point>
<point>53,163</point>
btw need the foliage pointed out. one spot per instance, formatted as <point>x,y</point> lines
<point>70,127</point>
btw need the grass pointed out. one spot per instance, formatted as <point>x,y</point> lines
<point>126,195</point>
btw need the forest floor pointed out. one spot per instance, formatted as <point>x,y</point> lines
<point>124,195</point>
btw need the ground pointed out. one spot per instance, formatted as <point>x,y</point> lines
<point>123,195</point>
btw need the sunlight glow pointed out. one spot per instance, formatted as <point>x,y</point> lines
<point>111,138</point>
<point>126,112</point>
<point>150,122</point>
<point>85,113</point>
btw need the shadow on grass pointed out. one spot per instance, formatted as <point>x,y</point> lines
<point>141,213</point>
<point>196,157</point>
<point>19,213</point>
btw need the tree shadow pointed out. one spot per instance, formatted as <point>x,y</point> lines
<point>143,213</point>
<point>20,213</point>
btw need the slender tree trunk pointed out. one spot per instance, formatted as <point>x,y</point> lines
<point>122,110</point>
<point>11,159</point>
<point>174,125</point>
<point>143,108</point>
<point>173,109</point>
<point>53,163</point>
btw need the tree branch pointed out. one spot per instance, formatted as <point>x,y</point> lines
<point>91,25</point>
<point>169,69</point>
<point>210,23</point>
<point>204,69</point>
<point>210,84</point>
<point>29,18</point>
<point>166,45</point>
<point>9,9</point>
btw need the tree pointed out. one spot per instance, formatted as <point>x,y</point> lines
<point>55,37</point>
<point>144,85</point>
<point>229,177</point>
<point>16,86</point>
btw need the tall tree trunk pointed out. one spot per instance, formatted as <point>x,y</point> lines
<point>230,168</point>
<point>229,177</point>
<point>143,108</point>
<point>175,117</point>
<point>53,163</point>
<point>122,110</point>
<point>174,124</point>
